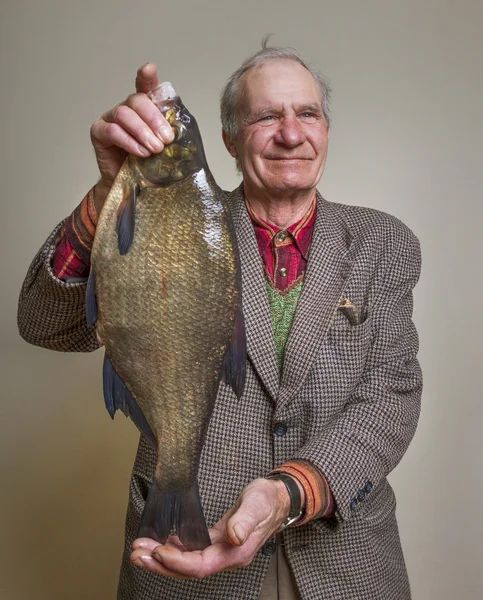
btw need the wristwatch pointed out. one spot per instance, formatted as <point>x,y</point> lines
<point>295,499</point>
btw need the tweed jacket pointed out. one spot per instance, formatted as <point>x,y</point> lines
<point>349,395</point>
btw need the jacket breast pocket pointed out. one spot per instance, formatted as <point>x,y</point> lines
<point>344,355</point>
<point>347,340</point>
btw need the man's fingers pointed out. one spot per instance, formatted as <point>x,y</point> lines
<point>138,115</point>
<point>142,558</point>
<point>106,135</point>
<point>135,126</point>
<point>189,564</point>
<point>152,116</point>
<point>147,78</point>
<point>214,559</point>
<point>149,544</point>
<point>172,560</point>
<point>145,544</point>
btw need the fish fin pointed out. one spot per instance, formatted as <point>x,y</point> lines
<point>233,369</point>
<point>181,511</point>
<point>126,218</point>
<point>117,396</point>
<point>91,300</point>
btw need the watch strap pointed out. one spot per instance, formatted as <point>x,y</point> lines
<point>295,498</point>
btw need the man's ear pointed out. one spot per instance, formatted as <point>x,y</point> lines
<point>229,144</point>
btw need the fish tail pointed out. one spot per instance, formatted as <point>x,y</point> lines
<point>126,217</point>
<point>181,512</point>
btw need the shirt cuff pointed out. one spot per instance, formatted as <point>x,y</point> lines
<point>319,501</point>
<point>72,256</point>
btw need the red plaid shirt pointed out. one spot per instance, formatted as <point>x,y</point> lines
<point>284,251</point>
<point>74,245</point>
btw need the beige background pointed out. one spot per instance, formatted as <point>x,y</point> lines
<point>406,138</point>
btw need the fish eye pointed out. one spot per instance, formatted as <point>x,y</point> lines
<point>185,119</point>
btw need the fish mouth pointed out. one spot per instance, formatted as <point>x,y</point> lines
<point>164,91</point>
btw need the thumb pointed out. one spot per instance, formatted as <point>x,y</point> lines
<point>147,78</point>
<point>243,522</point>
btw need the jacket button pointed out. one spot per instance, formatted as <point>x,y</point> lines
<point>269,548</point>
<point>369,487</point>
<point>361,495</point>
<point>280,429</point>
<point>353,504</point>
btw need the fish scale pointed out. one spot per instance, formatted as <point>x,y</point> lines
<point>167,285</point>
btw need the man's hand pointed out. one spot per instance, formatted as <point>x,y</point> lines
<point>134,126</point>
<point>260,510</point>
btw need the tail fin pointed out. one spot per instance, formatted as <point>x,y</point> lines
<point>181,511</point>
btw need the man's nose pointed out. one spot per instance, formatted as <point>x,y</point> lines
<point>291,132</point>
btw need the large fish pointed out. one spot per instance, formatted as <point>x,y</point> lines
<point>165,294</point>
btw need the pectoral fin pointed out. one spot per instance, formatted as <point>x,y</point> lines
<point>117,396</point>
<point>233,369</point>
<point>91,300</point>
<point>126,217</point>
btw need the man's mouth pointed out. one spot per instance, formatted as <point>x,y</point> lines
<point>288,158</point>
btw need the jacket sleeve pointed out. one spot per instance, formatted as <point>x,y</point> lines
<point>369,437</point>
<point>51,312</point>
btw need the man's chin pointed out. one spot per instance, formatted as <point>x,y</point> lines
<point>291,182</point>
<point>291,174</point>
<point>281,180</point>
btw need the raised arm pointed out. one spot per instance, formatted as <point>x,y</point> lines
<point>52,299</point>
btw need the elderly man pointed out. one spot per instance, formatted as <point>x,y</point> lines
<point>333,385</point>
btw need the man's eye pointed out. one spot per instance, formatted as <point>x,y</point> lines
<point>266,118</point>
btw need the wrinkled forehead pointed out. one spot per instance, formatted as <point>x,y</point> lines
<point>278,83</point>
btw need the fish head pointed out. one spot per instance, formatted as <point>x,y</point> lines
<point>185,155</point>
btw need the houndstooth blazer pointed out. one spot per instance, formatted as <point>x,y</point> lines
<point>349,395</point>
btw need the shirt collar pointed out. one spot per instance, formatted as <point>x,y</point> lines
<point>300,233</point>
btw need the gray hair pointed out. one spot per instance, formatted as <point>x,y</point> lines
<point>230,95</point>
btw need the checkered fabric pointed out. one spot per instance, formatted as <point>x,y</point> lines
<point>349,395</point>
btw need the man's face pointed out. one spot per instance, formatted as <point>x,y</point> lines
<point>282,134</point>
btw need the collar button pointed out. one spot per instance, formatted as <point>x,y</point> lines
<point>281,236</point>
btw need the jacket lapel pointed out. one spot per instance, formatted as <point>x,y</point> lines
<point>327,270</point>
<point>256,310</point>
